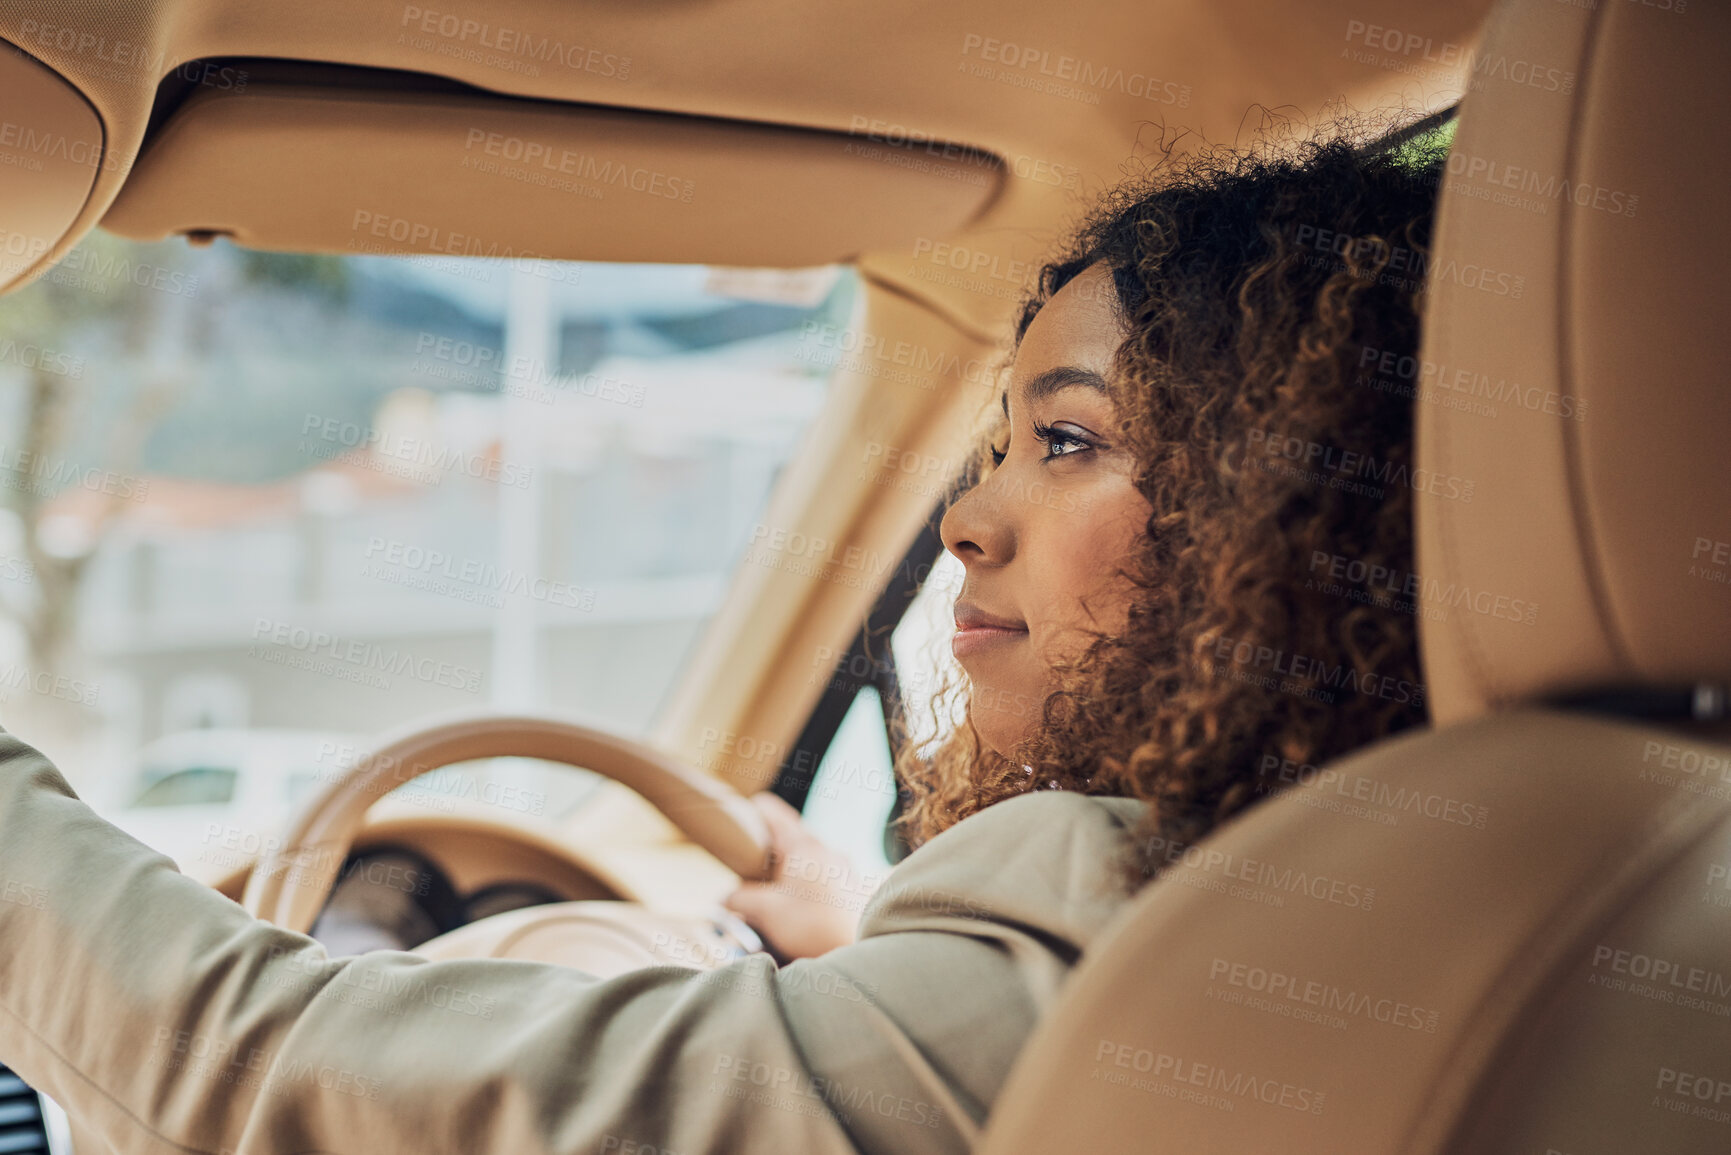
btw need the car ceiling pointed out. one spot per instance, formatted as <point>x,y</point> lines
<point>861,74</point>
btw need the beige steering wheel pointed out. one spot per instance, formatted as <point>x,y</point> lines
<point>290,885</point>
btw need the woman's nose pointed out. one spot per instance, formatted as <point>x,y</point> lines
<point>977,528</point>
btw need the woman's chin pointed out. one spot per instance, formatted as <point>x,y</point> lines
<point>1003,719</point>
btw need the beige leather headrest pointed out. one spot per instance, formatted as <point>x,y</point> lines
<point>1577,362</point>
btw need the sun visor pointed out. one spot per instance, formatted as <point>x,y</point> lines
<point>50,153</point>
<point>310,168</point>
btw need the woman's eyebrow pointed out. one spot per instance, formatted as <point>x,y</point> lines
<point>1063,377</point>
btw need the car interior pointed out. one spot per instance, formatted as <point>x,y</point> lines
<point>936,155</point>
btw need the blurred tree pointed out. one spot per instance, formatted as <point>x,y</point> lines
<point>311,274</point>
<point>93,298</point>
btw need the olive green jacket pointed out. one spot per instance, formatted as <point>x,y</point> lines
<point>163,1018</point>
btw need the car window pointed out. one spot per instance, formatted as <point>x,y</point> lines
<point>853,790</point>
<point>925,666</point>
<point>194,786</point>
<point>356,490</point>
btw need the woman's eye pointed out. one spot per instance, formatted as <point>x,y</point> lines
<point>998,455</point>
<point>1058,443</point>
<point>1062,445</point>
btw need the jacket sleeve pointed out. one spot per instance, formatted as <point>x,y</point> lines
<point>164,1018</point>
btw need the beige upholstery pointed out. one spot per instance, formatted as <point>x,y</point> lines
<point>1319,980</point>
<point>468,174</point>
<point>50,153</point>
<point>1511,933</point>
<point>1608,517</point>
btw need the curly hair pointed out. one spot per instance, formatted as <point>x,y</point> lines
<point>1272,300</point>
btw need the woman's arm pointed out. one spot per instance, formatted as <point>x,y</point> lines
<point>164,1018</point>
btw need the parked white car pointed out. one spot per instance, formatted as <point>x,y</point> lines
<point>210,799</point>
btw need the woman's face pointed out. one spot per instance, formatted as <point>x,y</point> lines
<point>1043,535</point>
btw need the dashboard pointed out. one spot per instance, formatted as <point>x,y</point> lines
<point>412,878</point>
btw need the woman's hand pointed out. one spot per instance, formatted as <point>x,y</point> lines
<point>812,902</point>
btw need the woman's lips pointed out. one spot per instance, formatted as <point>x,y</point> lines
<point>978,630</point>
<point>974,639</point>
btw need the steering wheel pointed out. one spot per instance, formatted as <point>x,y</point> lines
<point>291,884</point>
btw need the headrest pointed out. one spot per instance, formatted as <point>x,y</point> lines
<point>1574,388</point>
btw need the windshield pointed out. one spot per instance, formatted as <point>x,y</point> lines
<point>249,490</point>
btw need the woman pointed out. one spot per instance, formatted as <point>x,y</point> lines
<point>1204,372</point>
<point>1196,331</point>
